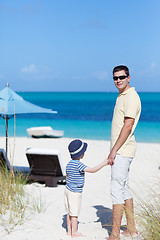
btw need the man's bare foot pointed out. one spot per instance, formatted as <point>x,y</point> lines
<point>128,233</point>
<point>68,233</point>
<point>113,237</point>
<point>76,235</point>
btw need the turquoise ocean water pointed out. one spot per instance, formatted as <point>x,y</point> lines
<point>85,115</point>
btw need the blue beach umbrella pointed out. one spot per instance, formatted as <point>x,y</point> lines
<point>11,104</point>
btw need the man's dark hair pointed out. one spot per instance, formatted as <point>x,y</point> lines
<point>120,68</point>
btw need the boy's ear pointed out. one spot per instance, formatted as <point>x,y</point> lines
<point>82,155</point>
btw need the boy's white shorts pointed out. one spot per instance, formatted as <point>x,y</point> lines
<point>120,179</point>
<point>72,202</point>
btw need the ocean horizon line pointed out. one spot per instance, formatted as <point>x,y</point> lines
<point>82,91</point>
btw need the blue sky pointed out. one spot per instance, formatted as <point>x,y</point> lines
<point>73,45</point>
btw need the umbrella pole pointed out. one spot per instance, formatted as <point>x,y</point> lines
<point>6,119</point>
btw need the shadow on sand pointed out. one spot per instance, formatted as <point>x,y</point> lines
<point>64,223</point>
<point>105,216</point>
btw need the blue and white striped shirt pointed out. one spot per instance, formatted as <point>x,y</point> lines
<point>75,176</point>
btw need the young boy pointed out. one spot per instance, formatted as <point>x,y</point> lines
<point>75,173</point>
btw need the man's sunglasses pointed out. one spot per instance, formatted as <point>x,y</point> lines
<point>120,77</point>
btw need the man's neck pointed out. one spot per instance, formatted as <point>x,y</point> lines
<point>124,90</point>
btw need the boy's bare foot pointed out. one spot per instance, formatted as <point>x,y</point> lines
<point>76,235</point>
<point>68,233</point>
<point>128,233</point>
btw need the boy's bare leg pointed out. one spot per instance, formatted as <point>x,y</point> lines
<point>69,225</point>
<point>74,226</point>
<point>131,228</point>
<point>117,218</point>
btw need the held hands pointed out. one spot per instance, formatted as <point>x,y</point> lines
<point>111,157</point>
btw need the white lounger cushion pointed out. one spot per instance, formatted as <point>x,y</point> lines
<point>42,131</point>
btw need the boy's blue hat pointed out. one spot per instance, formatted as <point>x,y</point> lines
<point>77,148</point>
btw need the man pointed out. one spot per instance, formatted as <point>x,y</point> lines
<point>125,118</point>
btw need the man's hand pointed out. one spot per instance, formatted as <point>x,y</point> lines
<point>111,157</point>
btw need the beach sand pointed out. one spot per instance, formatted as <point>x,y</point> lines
<point>96,209</point>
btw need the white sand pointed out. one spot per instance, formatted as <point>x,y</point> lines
<point>96,203</point>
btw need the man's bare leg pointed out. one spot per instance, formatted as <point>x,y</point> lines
<point>117,218</point>
<point>129,211</point>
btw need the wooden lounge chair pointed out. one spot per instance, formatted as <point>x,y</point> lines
<point>46,166</point>
<point>5,164</point>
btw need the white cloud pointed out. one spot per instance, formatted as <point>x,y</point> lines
<point>38,72</point>
<point>101,75</point>
<point>32,68</point>
<point>153,68</point>
<point>150,71</point>
<point>153,65</point>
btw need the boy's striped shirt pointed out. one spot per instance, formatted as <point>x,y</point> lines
<point>75,176</point>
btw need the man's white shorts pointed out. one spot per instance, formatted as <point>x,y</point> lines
<point>72,202</point>
<point>120,179</point>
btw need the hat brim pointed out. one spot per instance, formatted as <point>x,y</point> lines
<point>77,155</point>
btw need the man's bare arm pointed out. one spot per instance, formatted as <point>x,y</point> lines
<point>125,132</point>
